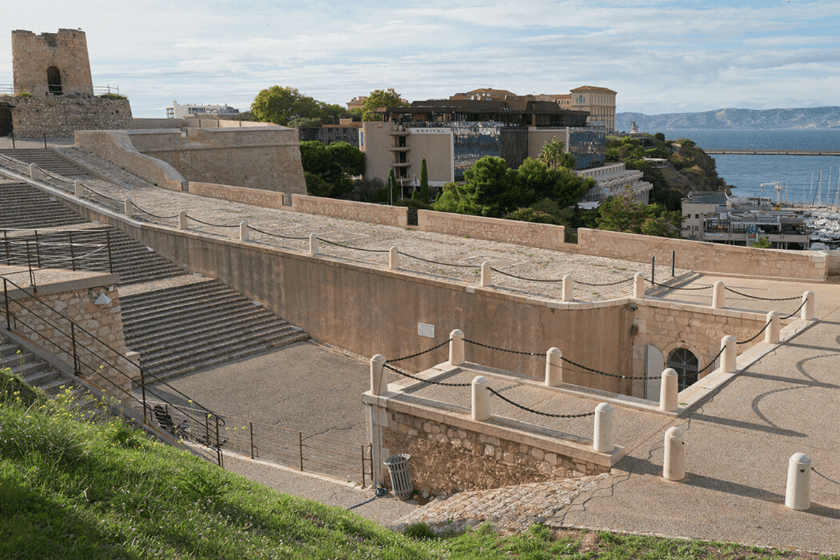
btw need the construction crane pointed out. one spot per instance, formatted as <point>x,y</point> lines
<point>778,187</point>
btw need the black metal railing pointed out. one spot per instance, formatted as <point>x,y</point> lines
<point>70,249</point>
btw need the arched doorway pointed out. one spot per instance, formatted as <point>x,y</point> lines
<point>654,364</point>
<point>54,80</point>
<point>685,364</point>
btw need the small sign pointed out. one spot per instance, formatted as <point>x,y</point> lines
<point>424,329</point>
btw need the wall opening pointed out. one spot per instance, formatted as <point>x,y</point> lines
<point>6,126</point>
<point>54,80</point>
<point>685,364</point>
<point>654,365</point>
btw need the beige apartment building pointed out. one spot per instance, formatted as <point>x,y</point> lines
<point>599,102</point>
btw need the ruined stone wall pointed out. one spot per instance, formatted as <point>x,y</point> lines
<point>446,458</point>
<point>66,50</point>
<point>61,116</point>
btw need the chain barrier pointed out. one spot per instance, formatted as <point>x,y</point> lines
<point>712,361</point>
<point>444,343</point>
<point>594,285</point>
<point>56,176</point>
<point>798,309</point>
<point>503,349</point>
<point>106,197</point>
<point>507,400</point>
<point>209,224</point>
<point>762,298</point>
<point>354,248</point>
<point>678,287</point>
<point>522,277</point>
<point>440,263</point>
<point>767,324</point>
<point>277,234</point>
<point>153,215</point>
<point>429,381</point>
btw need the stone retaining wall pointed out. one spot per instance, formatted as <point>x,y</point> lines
<point>545,236</point>
<point>349,210</point>
<point>61,116</point>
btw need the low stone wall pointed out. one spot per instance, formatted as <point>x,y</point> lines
<point>61,116</point>
<point>154,124</point>
<point>448,458</point>
<point>101,327</point>
<point>116,146</point>
<point>349,210</point>
<point>833,262</point>
<point>257,197</point>
<point>545,236</point>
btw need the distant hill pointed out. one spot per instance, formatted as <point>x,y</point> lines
<point>814,117</point>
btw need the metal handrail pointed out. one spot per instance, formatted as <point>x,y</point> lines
<point>16,89</point>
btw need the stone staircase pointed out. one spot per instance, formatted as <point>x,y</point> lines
<point>178,322</point>
<point>48,160</point>
<point>34,371</point>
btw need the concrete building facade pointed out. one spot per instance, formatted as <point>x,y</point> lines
<point>176,111</point>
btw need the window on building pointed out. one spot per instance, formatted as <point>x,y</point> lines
<point>685,364</point>
<point>54,80</point>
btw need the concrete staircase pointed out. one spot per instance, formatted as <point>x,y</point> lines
<point>179,323</point>
<point>34,371</point>
<point>47,160</point>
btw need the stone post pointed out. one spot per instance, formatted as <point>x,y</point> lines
<point>604,437</point>
<point>553,367</point>
<point>568,288</point>
<point>378,385</point>
<point>669,391</point>
<point>729,358</point>
<point>480,399</point>
<point>456,348</point>
<point>486,275</point>
<point>771,335</point>
<point>674,464</point>
<point>808,308</point>
<point>313,244</point>
<point>78,189</point>
<point>244,232</point>
<point>34,172</point>
<point>182,220</point>
<point>639,286</point>
<point>394,258</point>
<point>719,295</point>
<point>129,207</point>
<point>798,493</point>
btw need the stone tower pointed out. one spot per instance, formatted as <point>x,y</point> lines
<point>51,63</point>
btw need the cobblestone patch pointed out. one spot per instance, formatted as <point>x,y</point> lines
<point>509,509</point>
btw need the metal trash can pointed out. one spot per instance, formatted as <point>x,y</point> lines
<point>400,477</point>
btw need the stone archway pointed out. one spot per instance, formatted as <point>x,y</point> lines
<point>54,80</point>
<point>686,364</point>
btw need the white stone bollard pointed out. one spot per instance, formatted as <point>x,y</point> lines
<point>639,286</point>
<point>669,391</point>
<point>568,288</point>
<point>456,348</point>
<point>313,244</point>
<point>798,493</point>
<point>244,232</point>
<point>553,367</point>
<point>719,295</point>
<point>729,358</point>
<point>78,189</point>
<point>673,467</point>
<point>128,207</point>
<point>771,335</point>
<point>486,275</point>
<point>808,308</point>
<point>378,385</point>
<point>34,172</point>
<point>480,399</point>
<point>604,437</point>
<point>394,258</point>
<point>182,219</point>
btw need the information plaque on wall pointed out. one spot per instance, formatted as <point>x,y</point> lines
<point>424,329</point>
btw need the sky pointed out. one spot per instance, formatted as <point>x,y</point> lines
<point>660,56</point>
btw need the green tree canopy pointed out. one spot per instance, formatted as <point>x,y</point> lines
<point>287,106</point>
<point>621,213</point>
<point>553,156</point>
<point>328,168</point>
<point>380,98</point>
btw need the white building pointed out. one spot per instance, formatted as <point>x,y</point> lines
<point>612,179</point>
<point>176,111</point>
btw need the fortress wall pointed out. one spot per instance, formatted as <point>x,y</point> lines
<point>61,116</point>
<point>66,50</point>
<point>257,197</point>
<point>350,210</point>
<point>545,236</point>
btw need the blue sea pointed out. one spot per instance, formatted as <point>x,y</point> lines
<point>747,173</point>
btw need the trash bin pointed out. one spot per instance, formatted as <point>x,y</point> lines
<point>400,477</point>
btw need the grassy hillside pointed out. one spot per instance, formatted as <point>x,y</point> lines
<point>98,489</point>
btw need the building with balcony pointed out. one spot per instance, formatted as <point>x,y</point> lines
<point>176,111</point>
<point>614,179</point>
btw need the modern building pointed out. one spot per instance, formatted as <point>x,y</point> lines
<point>614,179</point>
<point>346,131</point>
<point>451,135</point>
<point>176,111</point>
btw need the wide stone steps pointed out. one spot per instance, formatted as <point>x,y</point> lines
<point>24,207</point>
<point>34,371</point>
<point>46,159</point>
<point>155,298</point>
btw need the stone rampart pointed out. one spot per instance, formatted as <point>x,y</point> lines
<point>545,236</point>
<point>257,197</point>
<point>350,210</point>
<point>61,116</point>
<point>55,62</point>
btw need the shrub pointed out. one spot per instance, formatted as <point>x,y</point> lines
<point>112,96</point>
<point>25,94</point>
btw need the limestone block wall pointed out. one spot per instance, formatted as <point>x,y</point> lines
<point>257,197</point>
<point>448,458</point>
<point>347,209</point>
<point>33,54</point>
<point>50,329</point>
<point>61,116</point>
<point>546,236</point>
